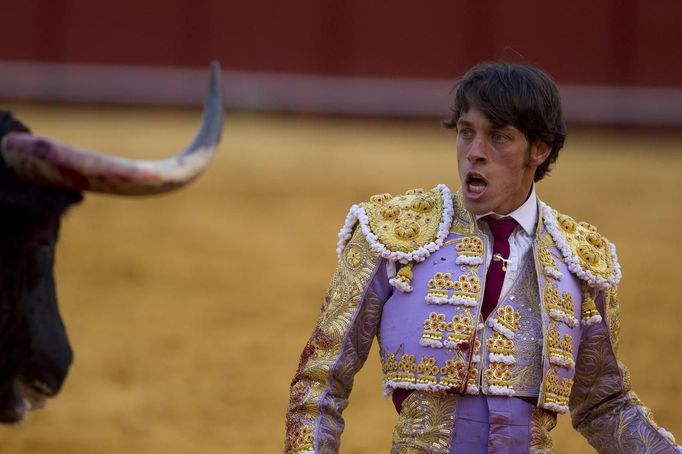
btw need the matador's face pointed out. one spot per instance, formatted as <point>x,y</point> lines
<point>496,164</point>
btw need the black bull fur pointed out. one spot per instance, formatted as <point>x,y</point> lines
<point>35,354</point>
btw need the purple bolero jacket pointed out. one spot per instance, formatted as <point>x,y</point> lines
<point>412,271</point>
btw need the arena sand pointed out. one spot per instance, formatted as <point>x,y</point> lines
<point>188,313</point>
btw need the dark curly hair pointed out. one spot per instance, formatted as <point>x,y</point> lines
<point>519,95</point>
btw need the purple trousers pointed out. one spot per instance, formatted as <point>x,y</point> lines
<point>491,424</point>
<point>482,424</point>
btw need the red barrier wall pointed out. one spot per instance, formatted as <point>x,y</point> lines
<point>626,42</point>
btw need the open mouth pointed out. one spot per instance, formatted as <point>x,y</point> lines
<point>475,183</point>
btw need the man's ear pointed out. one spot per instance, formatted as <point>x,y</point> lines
<point>539,152</point>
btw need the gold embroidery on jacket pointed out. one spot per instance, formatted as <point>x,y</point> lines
<point>427,371</point>
<point>302,439</point>
<point>499,375</point>
<point>501,350</point>
<point>474,369</point>
<point>469,246</point>
<point>462,222</point>
<point>460,330</point>
<point>508,318</point>
<point>613,317</point>
<point>559,308</point>
<point>591,248</point>
<point>527,371</point>
<point>434,326</point>
<point>453,373</point>
<point>407,368</point>
<point>403,223</point>
<point>500,345</point>
<point>400,368</point>
<point>556,392</point>
<point>466,289</point>
<point>438,288</point>
<point>547,258</point>
<point>355,269</point>
<point>560,349</point>
<point>389,366</point>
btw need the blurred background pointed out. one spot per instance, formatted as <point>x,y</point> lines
<point>187,313</point>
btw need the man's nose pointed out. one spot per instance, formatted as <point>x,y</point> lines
<point>478,150</point>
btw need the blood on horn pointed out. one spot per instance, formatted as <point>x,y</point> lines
<point>46,162</point>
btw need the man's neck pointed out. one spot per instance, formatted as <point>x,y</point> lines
<point>526,214</point>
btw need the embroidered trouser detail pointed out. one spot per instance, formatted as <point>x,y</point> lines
<point>439,423</point>
<point>425,423</point>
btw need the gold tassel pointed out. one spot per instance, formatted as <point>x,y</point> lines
<point>403,279</point>
<point>590,314</point>
<point>405,273</point>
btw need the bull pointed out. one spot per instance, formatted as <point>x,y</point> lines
<point>40,180</point>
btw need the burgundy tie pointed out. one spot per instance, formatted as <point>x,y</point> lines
<point>501,230</point>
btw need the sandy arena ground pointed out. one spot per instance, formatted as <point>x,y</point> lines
<point>187,313</point>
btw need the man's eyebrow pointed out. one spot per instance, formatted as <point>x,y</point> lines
<point>505,128</point>
<point>464,122</point>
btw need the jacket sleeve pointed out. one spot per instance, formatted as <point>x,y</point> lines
<point>337,349</point>
<point>604,409</point>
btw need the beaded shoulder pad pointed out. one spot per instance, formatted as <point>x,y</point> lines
<point>402,228</point>
<point>588,254</point>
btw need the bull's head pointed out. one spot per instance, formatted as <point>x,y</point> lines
<point>39,180</point>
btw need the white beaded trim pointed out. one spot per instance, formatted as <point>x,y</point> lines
<point>555,407</point>
<point>430,343</point>
<point>468,260</point>
<point>561,317</point>
<point>562,361</point>
<point>357,213</point>
<point>463,301</point>
<point>553,273</point>
<point>572,261</point>
<point>472,389</point>
<point>501,390</point>
<point>391,386</point>
<point>595,319</point>
<point>506,332</point>
<point>453,300</point>
<point>500,358</point>
<point>454,345</point>
<point>400,285</point>
<point>436,300</point>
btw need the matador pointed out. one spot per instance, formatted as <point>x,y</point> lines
<point>494,312</point>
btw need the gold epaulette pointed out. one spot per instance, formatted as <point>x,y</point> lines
<point>403,228</point>
<point>588,254</point>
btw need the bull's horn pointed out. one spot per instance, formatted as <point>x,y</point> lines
<point>46,162</point>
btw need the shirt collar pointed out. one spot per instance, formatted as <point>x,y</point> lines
<point>526,215</point>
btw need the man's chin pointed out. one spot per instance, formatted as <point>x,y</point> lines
<point>476,207</point>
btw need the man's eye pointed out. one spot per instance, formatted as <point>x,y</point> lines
<point>499,138</point>
<point>466,133</point>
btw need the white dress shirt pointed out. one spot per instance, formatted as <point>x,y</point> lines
<point>520,240</point>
